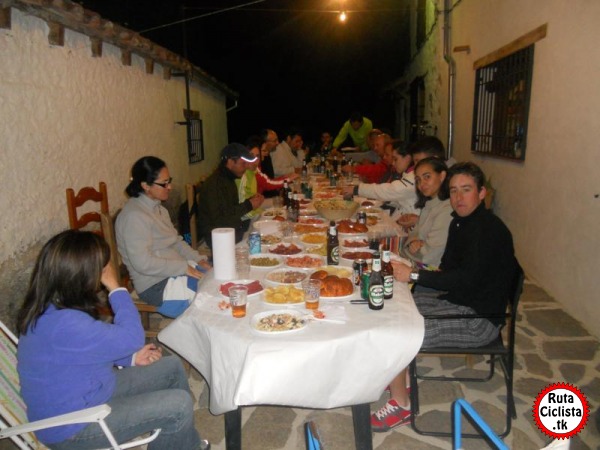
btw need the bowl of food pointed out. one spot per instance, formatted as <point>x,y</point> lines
<point>336,209</point>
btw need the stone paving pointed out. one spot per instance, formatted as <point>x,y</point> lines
<point>551,347</point>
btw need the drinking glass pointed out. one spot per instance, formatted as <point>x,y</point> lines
<point>312,293</point>
<point>238,296</point>
<point>242,263</point>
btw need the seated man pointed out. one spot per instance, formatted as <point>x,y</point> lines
<point>289,154</point>
<point>219,204</point>
<point>372,173</point>
<point>475,273</point>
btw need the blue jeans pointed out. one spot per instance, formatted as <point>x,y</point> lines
<point>145,398</point>
<point>154,294</point>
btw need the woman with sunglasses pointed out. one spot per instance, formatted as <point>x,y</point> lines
<point>148,242</point>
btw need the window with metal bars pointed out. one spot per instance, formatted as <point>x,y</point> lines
<point>501,107</point>
<point>195,136</point>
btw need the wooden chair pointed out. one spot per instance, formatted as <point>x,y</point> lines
<point>84,195</point>
<point>191,196</point>
<point>13,417</point>
<point>501,350</point>
<point>144,309</point>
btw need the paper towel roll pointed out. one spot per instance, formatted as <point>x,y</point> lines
<point>223,250</point>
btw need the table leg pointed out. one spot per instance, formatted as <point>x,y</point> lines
<point>233,429</point>
<point>361,417</point>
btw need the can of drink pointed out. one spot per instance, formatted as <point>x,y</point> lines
<point>254,246</point>
<point>358,268</point>
<point>362,217</point>
<point>365,279</point>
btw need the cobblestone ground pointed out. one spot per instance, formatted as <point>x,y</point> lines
<point>551,347</point>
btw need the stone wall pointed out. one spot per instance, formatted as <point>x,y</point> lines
<point>70,120</point>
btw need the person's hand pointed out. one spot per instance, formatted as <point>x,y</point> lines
<point>401,271</point>
<point>109,277</point>
<point>257,200</point>
<point>348,191</point>
<point>292,176</point>
<point>193,272</point>
<point>415,246</point>
<point>205,264</point>
<point>408,220</point>
<point>147,355</point>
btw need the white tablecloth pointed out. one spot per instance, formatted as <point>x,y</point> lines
<point>325,365</point>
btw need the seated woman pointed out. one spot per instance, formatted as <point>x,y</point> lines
<point>147,240</point>
<point>67,358</point>
<point>426,242</point>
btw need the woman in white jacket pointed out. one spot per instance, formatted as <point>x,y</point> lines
<point>426,243</point>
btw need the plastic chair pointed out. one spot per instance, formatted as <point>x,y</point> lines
<point>13,417</point>
<point>144,309</point>
<point>84,195</point>
<point>499,351</point>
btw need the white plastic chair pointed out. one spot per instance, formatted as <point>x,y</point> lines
<point>13,417</point>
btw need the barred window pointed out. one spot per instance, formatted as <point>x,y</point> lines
<point>195,136</point>
<point>501,107</point>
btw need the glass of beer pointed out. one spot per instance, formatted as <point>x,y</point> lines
<point>312,293</point>
<point>238,296</point>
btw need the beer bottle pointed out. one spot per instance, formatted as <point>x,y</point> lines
<point>295,207</point>
<point>333,245</point>
<point>284,194</point>
<point>387,271</point>
<point>376,284</point>
<point>304,171</point>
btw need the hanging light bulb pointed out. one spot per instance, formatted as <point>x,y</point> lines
<point>343,16</point>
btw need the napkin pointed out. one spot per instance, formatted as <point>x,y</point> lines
<point>179,292</point>
<point>334,312</point>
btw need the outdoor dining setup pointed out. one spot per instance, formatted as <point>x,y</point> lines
<point>285,348</point>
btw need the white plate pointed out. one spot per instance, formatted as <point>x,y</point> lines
<point>336,270</point>
<point>281,283</point>
<point>263,243</point>
<point>342,236</point>
<point>301,255</point>
<point>240,282</point>
<point>266,255</point>
<point>269,213</point>
<point>296,314</point>
<point>274,246</point>
<point>353,239</point>
<point>349,262</point>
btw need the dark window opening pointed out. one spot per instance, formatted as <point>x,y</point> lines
<point>501,107</point>
<point>195,136</point>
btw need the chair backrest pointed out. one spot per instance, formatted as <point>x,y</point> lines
<point>516,289</point>
<point>84,195</point>
<point>12,408</point>
<point>190,193</point>
<point>108,231</point>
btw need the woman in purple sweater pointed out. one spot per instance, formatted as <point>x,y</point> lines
<point>67,358</point>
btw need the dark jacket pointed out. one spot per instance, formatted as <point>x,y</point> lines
<point>478,264</point>
<point>219,205</point>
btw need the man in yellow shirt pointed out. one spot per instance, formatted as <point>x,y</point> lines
<point>358,128</point>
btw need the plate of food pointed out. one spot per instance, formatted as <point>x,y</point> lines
<point>354,242</point>
<point>285,249</point>
<point>254,287</point>
<point>314,238</point>
<point>271,213</point>
<point>303,261</point>
<point>270,239</point>
<point>334,287</point>
<point>265,261</point>
<point>286,276</point>
<point>306,228</point>
<point>340,271</point>
<point>284,295</point>
<point>348,257</point>
<point>284,321</point>
<point>349,227</point>
<point>267,226</point>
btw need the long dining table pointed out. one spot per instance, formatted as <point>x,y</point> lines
<point>325,365</point>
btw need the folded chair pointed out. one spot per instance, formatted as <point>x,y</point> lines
<point>13,417</point>
<point>501,350</point>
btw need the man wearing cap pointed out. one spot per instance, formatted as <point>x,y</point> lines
<point>219,204</point>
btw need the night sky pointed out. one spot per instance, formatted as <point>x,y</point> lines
<point>292,61</point>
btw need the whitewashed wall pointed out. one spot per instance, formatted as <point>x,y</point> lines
<point>69,120</point>
<point>549,201</point>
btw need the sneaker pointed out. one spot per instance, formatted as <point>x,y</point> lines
<point>391,415</point>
